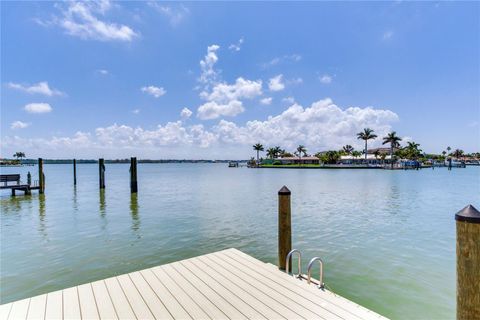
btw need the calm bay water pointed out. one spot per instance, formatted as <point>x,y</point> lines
<point>387,237</point>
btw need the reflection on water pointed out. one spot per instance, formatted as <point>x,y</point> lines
<point>41,205</point>
<point>102,207</point>
<point>391,232</point>
<point>134,211</point>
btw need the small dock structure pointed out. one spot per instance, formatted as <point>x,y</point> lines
<point>228,284</point>
<point>13,182</point>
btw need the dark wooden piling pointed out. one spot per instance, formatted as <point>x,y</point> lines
<point>41,177</point>
<point>284,226</point>
<point>74,172</point>
<point>101,173</point>
<point>133,175</point>
<point>468,263</point>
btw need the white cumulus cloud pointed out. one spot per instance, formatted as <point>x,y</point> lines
<point>212,110</point>
<point>276,84</point>
<point>236,46</point>
<point>157,92</point>
<point>266,101</point>
<point>83,19</point>
<point>208,73</point>
<point>38,88</point>
<point>325,79</point>
<point>38,108</point>
<point>241,89</point>
<point>19,125</point>
<point>175,14</point>
<point>186,113</point>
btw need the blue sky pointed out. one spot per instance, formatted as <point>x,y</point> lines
<point>207,80</point>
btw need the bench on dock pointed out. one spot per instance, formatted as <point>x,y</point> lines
<point>6,178</point>
<point>17,186</point>
<point>228,284</point>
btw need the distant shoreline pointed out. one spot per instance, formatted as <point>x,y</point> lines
<point>110,161</point>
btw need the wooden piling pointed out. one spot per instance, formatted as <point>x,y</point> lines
<point>101,173</point>
<point>468,263</point>
<point>284,226</point>
<point>74,172</point>
<point>41,177</point>
<point>133,175</point>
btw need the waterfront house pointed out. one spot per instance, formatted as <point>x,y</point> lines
<point>371,159</point>
<point>298,160</point>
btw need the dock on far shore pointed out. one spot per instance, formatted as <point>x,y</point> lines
<point>228,284</point>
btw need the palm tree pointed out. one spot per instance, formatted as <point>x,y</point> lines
<point>413,150</point>
<point>278,151</point>
<point>366,134</point>
<point>301,149</point>
<point>271,152</point>
<point>348,149</point>
<point>19,155</point>
<point>394,141</point>
<point>457,153</point>
<point>258,147</point>
<point>448,150</point>
<point>356,154</point>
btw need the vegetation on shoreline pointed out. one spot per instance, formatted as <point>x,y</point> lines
<point>410,151</point>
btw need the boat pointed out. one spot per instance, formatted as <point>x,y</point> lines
<point>233,164</point>
<point>454,163</point>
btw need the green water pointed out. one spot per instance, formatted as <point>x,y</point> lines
<point>387,237</point>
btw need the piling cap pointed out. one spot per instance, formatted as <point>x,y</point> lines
<point>468,214</point>
<point>284,191</point>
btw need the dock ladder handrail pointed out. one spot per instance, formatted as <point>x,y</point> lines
<point>289,257</point>
<point>309,271</point>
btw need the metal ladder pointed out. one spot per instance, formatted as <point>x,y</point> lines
<point>299,275</point>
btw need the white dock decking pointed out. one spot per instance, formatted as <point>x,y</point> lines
<point>227,284</point>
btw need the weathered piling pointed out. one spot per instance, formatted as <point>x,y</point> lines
<point>101,173</point>
<point>284,226</point>
<point>41,177</point>
<point>74,172</point>
<point>133,175</point>
<point>468,263</point>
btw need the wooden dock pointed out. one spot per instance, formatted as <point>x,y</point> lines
<point>227,284</point>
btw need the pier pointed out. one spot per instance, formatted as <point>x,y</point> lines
<point>228,284</point>
<point>17,185</point>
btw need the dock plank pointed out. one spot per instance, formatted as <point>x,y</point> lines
<point>104,302</point>
<point>154,304</point>
<point>210,309</point>
<point>137,303</point>
<point>184,299</point>
<point>175,308</point>
<point>119,300</point>
<point>218,300</point>
<point>54,306</point>
<point>36,311</point>
<point>270,307</point>
<point>88,305</point>
<point>71,304</point>
<point>5,310</point>
<point>222,289</point>
<point>19,309</point>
